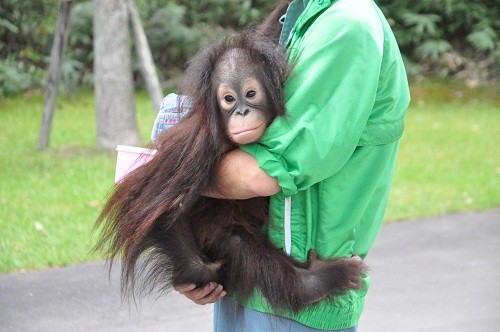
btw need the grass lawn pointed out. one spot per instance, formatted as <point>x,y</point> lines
<point>49,200</point>
<point>448,162</point>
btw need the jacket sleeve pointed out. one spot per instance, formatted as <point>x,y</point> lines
<point>329,96</point>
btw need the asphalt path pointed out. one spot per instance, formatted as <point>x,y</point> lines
<point>437,274</point>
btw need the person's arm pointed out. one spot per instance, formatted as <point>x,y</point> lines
<point>239,177</point>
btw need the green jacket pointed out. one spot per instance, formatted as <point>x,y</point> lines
<point>334,153</point>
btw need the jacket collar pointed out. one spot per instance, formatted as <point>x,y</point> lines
<point>297,16</point>
<point>314,8</point>
<point>294,10</point>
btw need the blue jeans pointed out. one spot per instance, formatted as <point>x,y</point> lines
<point>231,316</point>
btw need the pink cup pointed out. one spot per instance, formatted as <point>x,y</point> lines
<point>129,158</point>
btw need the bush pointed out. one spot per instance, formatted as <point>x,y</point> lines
<point>14,78</point>
<point>79,58</point>
<point>177,29</point>
<point>26,29</point>
<point>171,40</point>
<point>447,37</point>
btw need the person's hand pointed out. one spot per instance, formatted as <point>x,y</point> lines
<point>209,293</point>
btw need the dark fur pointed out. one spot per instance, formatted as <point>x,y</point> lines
<point>158,213</point>
<point>270,27</point>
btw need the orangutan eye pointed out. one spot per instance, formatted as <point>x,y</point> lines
<point>229,98</point>
<point>251,93</point>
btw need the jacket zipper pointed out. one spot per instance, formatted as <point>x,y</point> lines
<point>288,225</point>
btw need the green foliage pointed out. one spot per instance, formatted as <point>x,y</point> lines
<point>428,31</point>
<point>15,77</point>
<point>171,40</point>
<point>437,37</point>
<point>177,29</point>
<point>432,48</point>
<point>79,57</point>
<point>26,29</point>
<point>12,80</point>
<point>225,13</point>
<point>484,39</point>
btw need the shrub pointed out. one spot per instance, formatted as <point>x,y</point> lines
<point>79,58</point>
<point>177,29</point>
<point>26,29</point>
<point>447,37</point>
<point>15,78</point>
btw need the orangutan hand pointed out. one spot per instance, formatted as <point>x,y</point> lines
<point>209,293</point>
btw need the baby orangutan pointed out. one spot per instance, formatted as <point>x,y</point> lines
<point>158,212</point>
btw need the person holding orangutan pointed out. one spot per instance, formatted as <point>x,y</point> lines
<point>328,165</point>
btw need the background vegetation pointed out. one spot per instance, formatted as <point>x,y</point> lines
<point>447,38</point>
<point>448,162</point>
<point>444,38</point>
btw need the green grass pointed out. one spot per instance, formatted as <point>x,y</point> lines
<point>448,162</point>
<point>49,200</point>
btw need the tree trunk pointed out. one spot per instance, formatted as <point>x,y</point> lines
<point>56,57</point>
<point>114,88</point>
<point>146,63</point>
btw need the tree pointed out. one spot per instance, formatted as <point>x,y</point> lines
<point>114,88</point>
<point>146,63</point>
<point>58,46</point>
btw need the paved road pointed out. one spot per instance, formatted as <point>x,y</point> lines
<point>438,274</point>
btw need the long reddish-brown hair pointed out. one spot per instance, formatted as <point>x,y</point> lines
<point>187,155</point>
